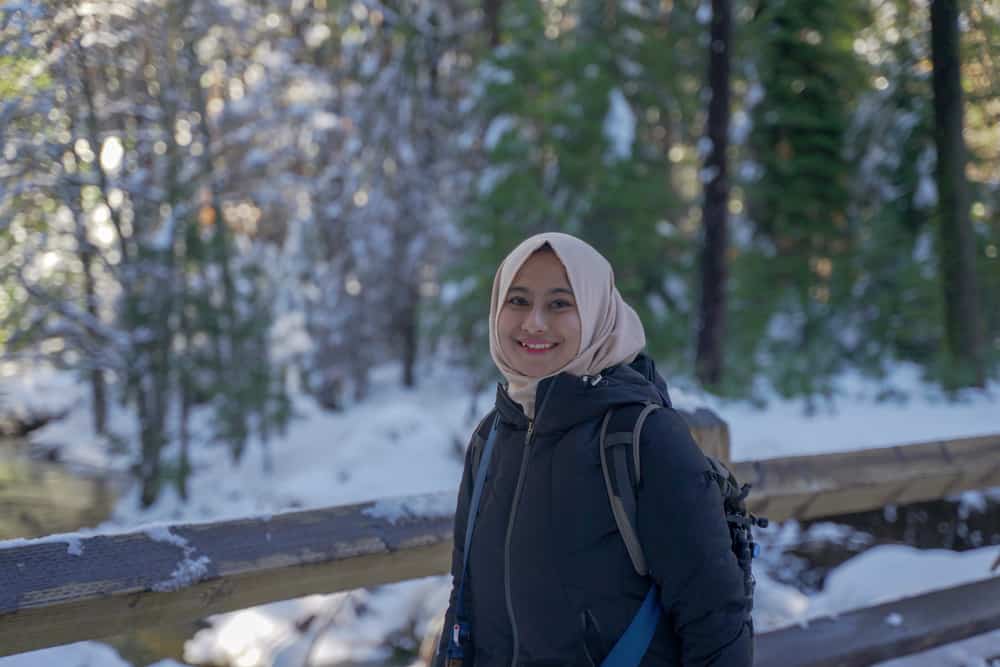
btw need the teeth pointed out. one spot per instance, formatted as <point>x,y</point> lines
<point>538,347</point>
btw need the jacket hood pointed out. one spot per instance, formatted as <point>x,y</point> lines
<point>564,400</point>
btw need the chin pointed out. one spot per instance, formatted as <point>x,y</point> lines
<point>543,370</point>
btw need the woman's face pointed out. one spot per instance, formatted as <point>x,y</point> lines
<point>539,325</point>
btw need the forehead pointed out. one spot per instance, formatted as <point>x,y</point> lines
<point>542,270</point>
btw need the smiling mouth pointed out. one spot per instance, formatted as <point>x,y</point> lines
<point>536,348</point>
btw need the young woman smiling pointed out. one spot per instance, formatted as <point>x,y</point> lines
<point>538,324</point>
<point>544,577</point>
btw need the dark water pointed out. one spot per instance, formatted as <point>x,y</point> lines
<point>39,496</point>
<point>813,548</point>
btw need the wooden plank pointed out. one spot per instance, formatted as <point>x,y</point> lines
<point>981,650</point>
<point>809,487</point>
<point>709,431</point>
<point>866,636</point>
<point>49,596</point>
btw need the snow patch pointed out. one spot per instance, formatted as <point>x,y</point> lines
<point>705,146</point>
<point>189,570</point>
<point>708,174</point>
<point>162,533</point>
<point>630,68</point>
<point>704,13</point>
<point>75,547</point>
<point>491,177</point>
<point>497,128</point>
<point>619,128</point>
<point>411,507</point>
<point>187,573</point>
<point>80,654</point>
<point>493,74</point>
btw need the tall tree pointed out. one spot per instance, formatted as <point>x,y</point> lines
<point>801,265</point>
<point>712,310</point>
<point>956,251</point>
<point>491,18</point>
<point>893,312</point>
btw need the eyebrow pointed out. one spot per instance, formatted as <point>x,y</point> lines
<point>554,290</point>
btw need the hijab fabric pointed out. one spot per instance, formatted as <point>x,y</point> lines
<point>610,330</point>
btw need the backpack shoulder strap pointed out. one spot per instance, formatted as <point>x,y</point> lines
<point>481,467</point>
<point>477,442</point>
<point>637,438</point>
<point>621,482</point>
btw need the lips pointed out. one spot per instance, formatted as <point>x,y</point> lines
<point>536,347</point>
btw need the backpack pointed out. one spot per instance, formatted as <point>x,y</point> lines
<point>621,464</point>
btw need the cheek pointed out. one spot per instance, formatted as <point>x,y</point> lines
<point>573,332</point>
<point>506,324</point>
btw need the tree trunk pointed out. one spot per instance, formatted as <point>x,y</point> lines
<point>712,320</point>
<point>151,442</point>
<point>491,11</point>
<point>98,388</point>
<point>956,252</point>
<point>185,386</point>
<point>410,335</point>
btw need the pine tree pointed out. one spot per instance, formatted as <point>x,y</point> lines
<point>798,193</point>
<point>895,295</point>
<point>981,66</point>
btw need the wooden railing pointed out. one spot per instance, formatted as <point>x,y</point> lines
<point>873,634</point>
<point>63,589</point>
<point>809,487</point>
<point>60,590</point>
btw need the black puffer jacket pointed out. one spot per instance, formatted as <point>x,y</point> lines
<point>550,581</point>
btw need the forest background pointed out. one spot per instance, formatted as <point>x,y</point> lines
<point>206,207</point>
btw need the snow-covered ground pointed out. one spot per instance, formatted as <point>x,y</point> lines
<point>408,442</point>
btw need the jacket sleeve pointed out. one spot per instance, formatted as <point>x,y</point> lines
<point>458,551</point>
<point>683,531</point>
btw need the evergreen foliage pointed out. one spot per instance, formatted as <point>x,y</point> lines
<point>799,201</point>
<point>893,196</point>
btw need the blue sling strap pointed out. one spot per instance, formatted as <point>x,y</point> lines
<point>477,493</point>
<point>460,628</point>
<point>631,646</point>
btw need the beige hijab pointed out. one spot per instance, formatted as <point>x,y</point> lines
<point>611,332</point>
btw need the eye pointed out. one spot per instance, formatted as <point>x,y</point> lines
<point>517,301</point>
<point>560,304</point>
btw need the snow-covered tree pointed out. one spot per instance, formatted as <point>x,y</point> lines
<point>111,148</point>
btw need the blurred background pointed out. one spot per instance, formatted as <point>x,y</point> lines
<point>227,227</point>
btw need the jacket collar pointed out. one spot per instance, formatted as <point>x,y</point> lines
<point>564,400</point>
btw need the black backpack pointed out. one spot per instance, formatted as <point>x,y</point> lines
<point>622,468</point>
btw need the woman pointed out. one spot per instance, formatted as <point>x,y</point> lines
<point>548,579</point>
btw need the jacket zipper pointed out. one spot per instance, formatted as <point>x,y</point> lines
<point>510,523</point>
<point>591,634</point>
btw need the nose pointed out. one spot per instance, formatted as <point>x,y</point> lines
<point>534,321</point>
